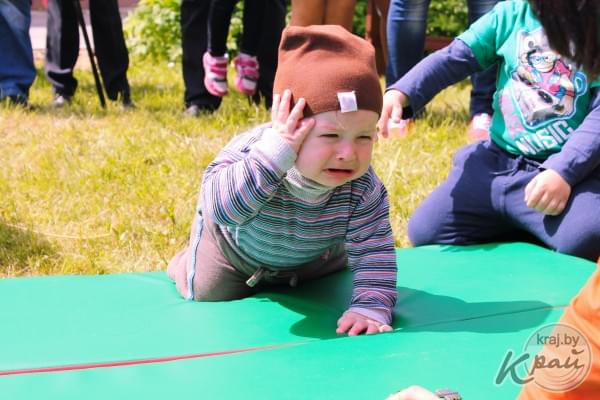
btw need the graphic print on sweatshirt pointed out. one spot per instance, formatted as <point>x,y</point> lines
<point>542,95</point>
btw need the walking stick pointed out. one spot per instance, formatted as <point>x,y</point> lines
<point>81,21</point>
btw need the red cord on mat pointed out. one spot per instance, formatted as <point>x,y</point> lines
<point>110,364</point>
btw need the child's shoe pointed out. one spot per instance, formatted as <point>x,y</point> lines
<point>479,128</point>
<point>246,68</point>
<point>215,74</point>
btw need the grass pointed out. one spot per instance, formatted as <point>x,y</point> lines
<point>86,190</point>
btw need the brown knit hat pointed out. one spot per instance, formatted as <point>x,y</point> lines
<point>330,67</point>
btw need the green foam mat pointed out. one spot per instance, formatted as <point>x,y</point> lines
<point>448,297</point>
<point>455,354</point>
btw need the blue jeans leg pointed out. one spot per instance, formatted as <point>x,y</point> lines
<point>484,83</point>
<point>17,71</point>
<point>406,23</point>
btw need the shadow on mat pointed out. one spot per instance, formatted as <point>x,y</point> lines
<point>18,247</point>
<point>322,302</point>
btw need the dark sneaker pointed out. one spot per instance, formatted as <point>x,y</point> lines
<point>192,111</point>
<point>126,102</point>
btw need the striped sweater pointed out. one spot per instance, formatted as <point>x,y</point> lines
<point>273,216</point>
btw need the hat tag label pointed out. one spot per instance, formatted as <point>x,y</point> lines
<point>347,101</point>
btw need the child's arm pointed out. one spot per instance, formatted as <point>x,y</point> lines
<point>430,76</point>
<point>372,259</point>
<point>244,177</point>
<point>474,50</point>
<point>549,191</point>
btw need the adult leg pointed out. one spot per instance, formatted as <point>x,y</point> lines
<point>194,42</point>
<point>308,12</point>
<point>575,231</point>
<point>62,46</point>
<point>17,71</point>
<point>111,51</point>
<point>484,83</point>
<point>406,24</point>
<point>463,209</point>
<point>274,22</point>
<point>340,12</point>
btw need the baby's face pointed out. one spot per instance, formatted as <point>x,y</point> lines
<point>339,147</point>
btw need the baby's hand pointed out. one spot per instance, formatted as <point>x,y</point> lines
<point>413,393</point>
<point>393,103</point>
<point>355,324</point>
<point>289,124</point>
<point>548,193</point>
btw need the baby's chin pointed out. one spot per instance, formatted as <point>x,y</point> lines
<point>333,177</point>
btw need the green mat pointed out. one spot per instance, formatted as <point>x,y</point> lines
<point>460,310</point>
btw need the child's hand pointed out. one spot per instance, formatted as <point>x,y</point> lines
<point>393,103</point>
<point>414,393</point>
<point>289,124</point>
<point>548,193</point>
<point>355,324</point>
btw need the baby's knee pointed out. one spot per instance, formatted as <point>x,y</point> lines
<point>207,289</point>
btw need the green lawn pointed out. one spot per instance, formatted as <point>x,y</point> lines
<point>83,190</point>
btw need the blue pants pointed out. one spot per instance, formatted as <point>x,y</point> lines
<point>406,23</point>
<point>482,200</point>
<point>16,56</point>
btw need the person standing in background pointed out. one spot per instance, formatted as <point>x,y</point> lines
<point>215,60</point>
<point>17,71</point>
<point>62,49</point>
<point>195,42</point>
<point>406,24</point>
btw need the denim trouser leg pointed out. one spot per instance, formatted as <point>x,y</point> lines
<point>406,23</point>
<point>17,71</point>
<point>484,83</point>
